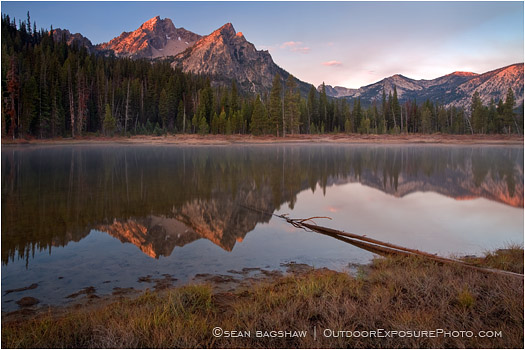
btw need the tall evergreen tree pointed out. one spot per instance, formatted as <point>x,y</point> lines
<point>323,106</point>
<point>258,123</point>
<point>109,122</point>
<point>312,108</point>
<point>508,114</point>
<point>291,106</point>
<point>356,114</point>
<point>396,110</point>
<point>477,114</point>
<point>276,110</point>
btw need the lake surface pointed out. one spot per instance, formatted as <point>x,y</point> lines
<point>105,215</point>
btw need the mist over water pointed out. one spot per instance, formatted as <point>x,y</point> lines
<point>105,215</point>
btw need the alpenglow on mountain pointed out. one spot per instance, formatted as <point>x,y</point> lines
<point>226,55</point>
<point>153,39</point>
<point>455,89</point>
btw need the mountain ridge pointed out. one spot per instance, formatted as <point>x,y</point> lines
<point>454,89</point>
<point>226,55</point>
<point>72,39</point>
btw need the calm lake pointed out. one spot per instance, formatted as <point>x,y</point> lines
<point>105,215</point>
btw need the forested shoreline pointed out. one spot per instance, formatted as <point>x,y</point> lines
<point>51,89</point>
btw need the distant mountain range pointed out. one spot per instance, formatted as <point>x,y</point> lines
<point>455,89</point>
<point>226,55</point>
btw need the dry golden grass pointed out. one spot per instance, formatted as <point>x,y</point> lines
<point>394,294</point>
<point>508,259</point>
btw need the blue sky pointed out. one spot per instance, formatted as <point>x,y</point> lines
<point>350,44</point>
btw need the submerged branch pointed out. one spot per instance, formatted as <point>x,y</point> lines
<point>376,246</point>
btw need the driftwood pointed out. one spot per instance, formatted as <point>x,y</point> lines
<point>379,247</point>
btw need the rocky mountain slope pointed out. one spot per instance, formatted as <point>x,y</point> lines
<point>455,89</point>
<point>226,55</point>
<point>153,39</point>
<point>494,84</point>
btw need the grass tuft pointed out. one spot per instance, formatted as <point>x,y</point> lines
<point>465,298</point>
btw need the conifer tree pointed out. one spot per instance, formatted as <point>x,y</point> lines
<point>348,126</point>
<point>356,114</point>
<point>477,113</point>
<point>195,122</point>
<point>258,120</point>
<point>426,116</point>
<point>383,118</point>
<point>109,122</point>
<point>312,108</point>
<point>291,106</point>
<point>508,114</point>
<point>203,126</point>
<point>323,107</point>
<point>275,110</point>
<point>396,109</point>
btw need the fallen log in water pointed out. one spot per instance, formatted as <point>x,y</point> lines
<point>379,247</point>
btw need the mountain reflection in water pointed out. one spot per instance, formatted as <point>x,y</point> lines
<point>160,197</point>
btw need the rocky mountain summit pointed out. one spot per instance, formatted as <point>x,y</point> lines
<point>226,55</point>
<point>153,39</point>
<point>76,39</point>
<point>455,89</point>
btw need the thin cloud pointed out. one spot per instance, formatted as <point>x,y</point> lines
<point>290,44</point>
<point>295,46</point>
<point>332,63</point>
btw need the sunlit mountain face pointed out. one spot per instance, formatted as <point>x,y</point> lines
<point>455,89</point>
<point>162,197</point>
<point>153,39</point>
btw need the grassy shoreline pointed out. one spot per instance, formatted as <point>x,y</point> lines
<point>392,294</point>
<point>194,139</point>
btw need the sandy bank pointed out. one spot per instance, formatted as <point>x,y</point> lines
<point>192,139</point>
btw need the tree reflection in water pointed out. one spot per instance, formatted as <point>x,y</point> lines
<point>159,197</point>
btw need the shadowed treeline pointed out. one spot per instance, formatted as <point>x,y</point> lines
<point>148,194</point>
